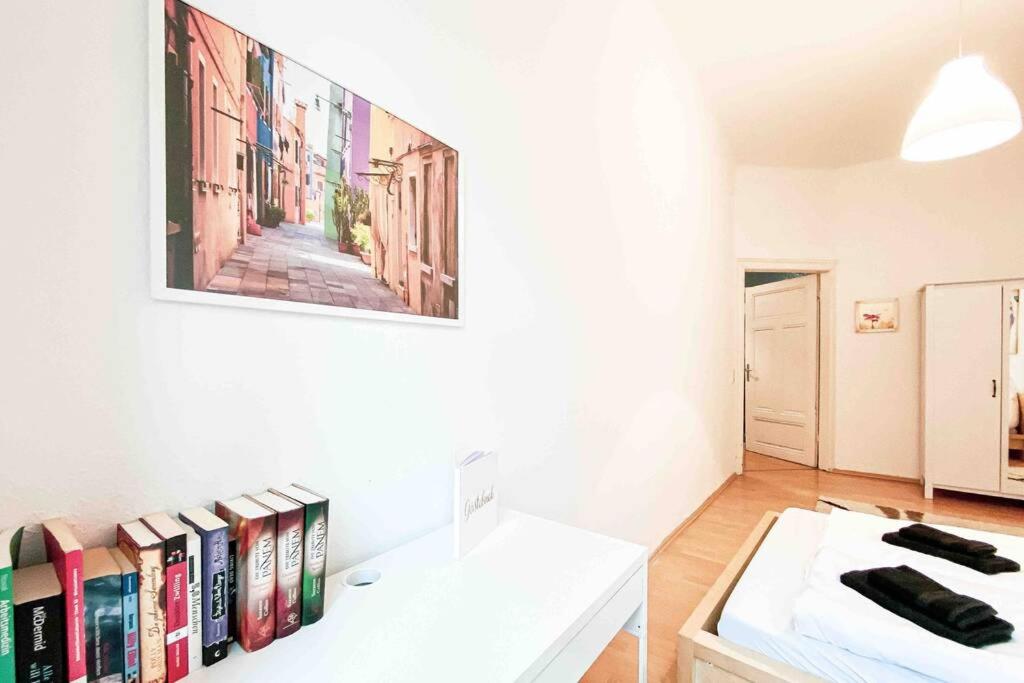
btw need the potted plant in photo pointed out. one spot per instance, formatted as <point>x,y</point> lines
<point>341,217</point>
<point>361,237</point>
<point>272,216</point>
<point>349,204</point>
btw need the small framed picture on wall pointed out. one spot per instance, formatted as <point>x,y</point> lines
<point>876,315</point>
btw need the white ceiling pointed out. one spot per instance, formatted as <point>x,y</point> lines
<point>829,83</point>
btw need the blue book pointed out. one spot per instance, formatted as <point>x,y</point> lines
<point>130,613</point>
<point>213,533</point>
<point>103,617</point>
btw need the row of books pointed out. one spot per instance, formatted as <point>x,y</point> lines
<point>170,597</point>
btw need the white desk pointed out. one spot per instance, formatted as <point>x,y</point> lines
<point>536,600</point>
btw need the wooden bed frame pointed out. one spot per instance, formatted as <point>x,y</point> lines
<point>705,657</point>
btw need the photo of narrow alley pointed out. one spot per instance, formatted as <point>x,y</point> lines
<point>284,185</point>
<point>297,263</point>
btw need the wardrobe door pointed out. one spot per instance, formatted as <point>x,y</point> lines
<point>963,385</point>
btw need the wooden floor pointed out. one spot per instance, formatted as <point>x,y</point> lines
<point>687,566</point>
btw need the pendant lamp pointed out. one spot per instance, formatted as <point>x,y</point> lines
<point>967,111</point>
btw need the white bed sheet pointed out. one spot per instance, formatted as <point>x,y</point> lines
<point>851,541</point>
<point>758,614</point>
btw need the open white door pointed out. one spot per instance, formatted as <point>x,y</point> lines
<point>782,369</point>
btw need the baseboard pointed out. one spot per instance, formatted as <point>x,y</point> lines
<point>873,475</point>
<point>692,517</point>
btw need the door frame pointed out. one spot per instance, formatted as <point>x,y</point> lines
<point>825,270</point>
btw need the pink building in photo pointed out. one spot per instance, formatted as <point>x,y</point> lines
<point>414,217</point>
<point>206,63</point>
<point>293,163</point>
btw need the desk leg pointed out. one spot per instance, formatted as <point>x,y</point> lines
<point>636,626</point>
<point>641,642</point>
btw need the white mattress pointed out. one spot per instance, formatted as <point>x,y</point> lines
<point>759,612</point>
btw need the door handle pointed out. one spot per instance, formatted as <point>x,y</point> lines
<point>746,371</point>
<point>993,388</point>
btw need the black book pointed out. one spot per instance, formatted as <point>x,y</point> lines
<point>38,625</point>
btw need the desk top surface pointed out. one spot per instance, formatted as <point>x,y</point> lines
<point>499,614</point>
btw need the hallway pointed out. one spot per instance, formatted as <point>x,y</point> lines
<point>297,263</point>
<point>688,564</point>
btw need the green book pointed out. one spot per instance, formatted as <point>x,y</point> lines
<point>314,565</point>
<point>10,543</point>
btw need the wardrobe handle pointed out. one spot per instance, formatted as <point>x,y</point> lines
<point>993,388</point>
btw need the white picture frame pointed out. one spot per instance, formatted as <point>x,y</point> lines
<point>158,225</point>
<point>876,315</point>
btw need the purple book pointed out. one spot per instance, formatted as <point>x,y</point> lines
<point>214,534</point>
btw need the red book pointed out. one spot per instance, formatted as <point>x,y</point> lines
<point>176,589</point>
<point>291,517</point>
<point>65,552</point>
<point>253,528</point>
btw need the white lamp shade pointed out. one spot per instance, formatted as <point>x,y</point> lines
<point>968,110</point>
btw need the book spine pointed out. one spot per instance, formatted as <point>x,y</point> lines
<point>289,571</point>
<point>195,604</point>
<point>177,607</point>
<point>130,616</point>
<point>152,620</point>
<point>39,641</point>
<point>257,576</point>
<point>232,590</point>
<point>104,636</point>
<point>314,570</point>
<point>6,625</point>
<point>215,596</point>
<point>69,572</point>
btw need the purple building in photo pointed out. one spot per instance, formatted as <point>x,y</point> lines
<point>360,142</point>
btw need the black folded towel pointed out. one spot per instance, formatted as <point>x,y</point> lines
<point>914,588</point>
<point>923,533</point>
<point>988,564</point>
<point>991,631</point>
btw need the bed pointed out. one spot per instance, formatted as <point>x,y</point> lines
<point>742,631</point>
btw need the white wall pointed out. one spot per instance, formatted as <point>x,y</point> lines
<point>893,227</point>
<point>597,209</point>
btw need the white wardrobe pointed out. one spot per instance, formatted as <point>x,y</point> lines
<point>971,351</point>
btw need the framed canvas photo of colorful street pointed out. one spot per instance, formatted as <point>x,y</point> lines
<point>275,187</point>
